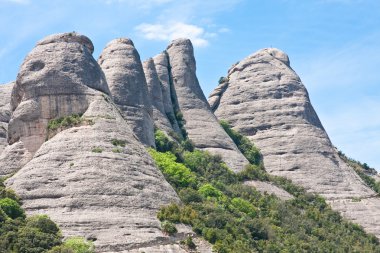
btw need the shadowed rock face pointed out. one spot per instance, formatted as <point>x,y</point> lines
<point>265,100</point>
<point>55,80</point>
<point>201,125</point>
<point>160,117</point>
<point>124,72</point>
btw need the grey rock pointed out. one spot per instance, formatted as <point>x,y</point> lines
<point>161,62</point>
<point>124,72</point>
<point>160,117</point>
<point>201,125</point>
<point>266,101</point>
<point>5,113</point>
<point>112,196</point>
<point>55,80</point>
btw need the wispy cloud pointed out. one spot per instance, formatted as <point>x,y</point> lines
<point>15,1</point>
<point>175,30</point>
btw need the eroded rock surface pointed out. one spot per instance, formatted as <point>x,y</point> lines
<point>201,125</point>
<point>5,112</point>
<point>124,72</point>
<point>55,80</point>
<point>160,117</point>
<point>107,195</point>
<point>266,101</point>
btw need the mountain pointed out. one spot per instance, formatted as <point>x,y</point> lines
<point>77,137</point>
<point>264,99</point>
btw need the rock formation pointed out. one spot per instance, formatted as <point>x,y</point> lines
<point>201,125</point>
<point>264,99</point>
<point>90,186</point>
<point>55,80</point>
<point>5,113</point>
<point>160,115</point>
<point>124,72</point>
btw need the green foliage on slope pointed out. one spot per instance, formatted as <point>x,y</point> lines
<point>364,171</point>
<point>251,152</point>
<point>21,234</point>
<point>237,218</point>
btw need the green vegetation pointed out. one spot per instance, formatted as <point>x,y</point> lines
<point>243,143</point>
<point>66,122</point>
<point>237,218</point>
<point>33,234</point>
<point>168,227</point>
<point>364,171</point>
<point>118,143</point>
<point>74,245</point>
<point>97,150</point>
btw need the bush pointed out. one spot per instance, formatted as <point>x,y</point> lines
<point>176,173</point>
<point>243,143</point>
<point>43,223</point>
<point>117,142</point>
<point>163,144</point>
<point>79,245</point>
<point>189,243</point>
<point>33,240</point>
<point>207,190</point>
<point>11,208</point>
<point>168,227</point>
<point>97,150</point>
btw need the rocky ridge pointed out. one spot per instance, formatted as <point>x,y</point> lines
<point>264,99</point>
<point>97,180</point>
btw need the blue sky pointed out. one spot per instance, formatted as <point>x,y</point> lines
<point>334,45</point>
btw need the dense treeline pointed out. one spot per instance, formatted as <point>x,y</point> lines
<point>35,234</point>
<point>237,218</point>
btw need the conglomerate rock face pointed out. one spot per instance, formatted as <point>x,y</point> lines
<point>124,72</point>
<point>160,117</point>
<point>54,80</point>
<point>201,125</point>
<point>264,99</point>
<point>88,185</point>
<point>5,113</point>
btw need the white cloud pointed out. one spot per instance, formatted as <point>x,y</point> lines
<point>175,30</point>
<point>16,1</point>
<point>138,3</point>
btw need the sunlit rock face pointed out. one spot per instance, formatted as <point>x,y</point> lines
<point>124,72</point>
<point>264,99</point>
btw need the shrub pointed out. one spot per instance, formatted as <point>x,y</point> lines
<point>168,227</point>
<point>163,144</point>
<point>79,245</point>
<point>97,150</point>
<point>189,242</point>
<point>43,223</point>
<point>11,208</point>
<point>117,142</point>
<point>33,240</point>
<point>207,190</point>
<point>243,143</point>
<point>176,173</point>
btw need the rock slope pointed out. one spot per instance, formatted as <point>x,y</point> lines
<point>5,113</point>
<point>90,186</point>
<point>201,125</point>
<point>124,72</point>
<point>264,99</point>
